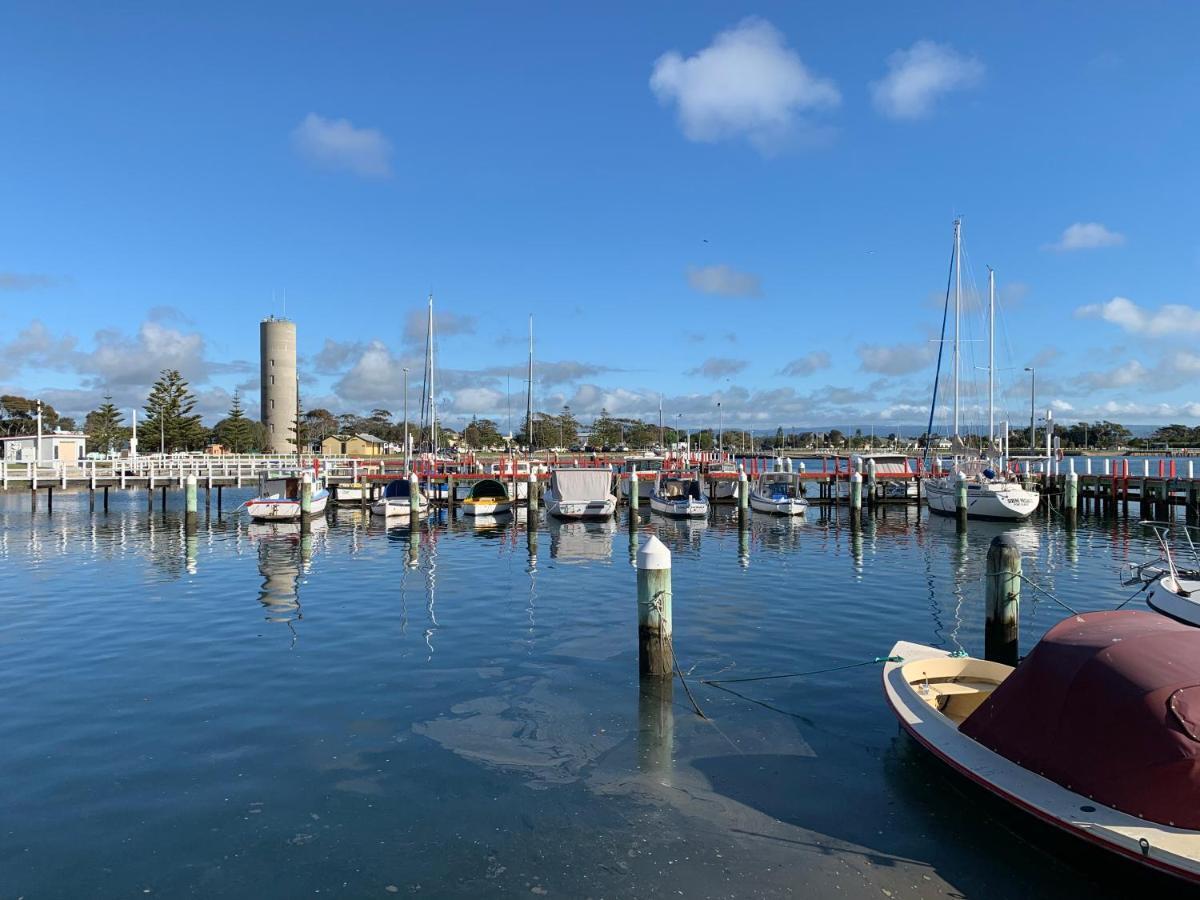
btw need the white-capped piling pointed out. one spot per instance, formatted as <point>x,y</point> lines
<point>800,467</point>
<point>633,489</point>
<point>960,499</point>
<point>531,495</point>
<point>856,483</point>
<point>655,655</point>
<point>1003,618</point>
<point>190,503</point>
<point>743,490</point>
<point>306,495</point>
<point>414,500</point>
<point>872,482</point>
<point>451,493</point>
<point>1071,499</point>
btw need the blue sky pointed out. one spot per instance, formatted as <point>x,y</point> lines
<point>750,204</point>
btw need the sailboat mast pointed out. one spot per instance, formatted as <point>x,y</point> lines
<point>991,358</point>
<point>433,425</point>
<point>529,393</point>
<point>661,437</point>
<point>957,312</point>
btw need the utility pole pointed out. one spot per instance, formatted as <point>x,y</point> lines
<point>406,460</point>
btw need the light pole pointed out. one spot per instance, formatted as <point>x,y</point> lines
<point>405,371</point>
<point>1032,406</point>
<point>37,447</point>
<point>561,422</point>
<point>720,428</point>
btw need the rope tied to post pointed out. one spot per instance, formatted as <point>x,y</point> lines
<point>869,662</point>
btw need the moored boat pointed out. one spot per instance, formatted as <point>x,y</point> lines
<point>778,493</point>
<point>989,496</point>
<point>580,494</point>
<point>1096,732</point>
<point>679,495</point>
<point>396,501</point>
<point>644,465</point>
<point>488,497</point>
<point>279,499</point>
<point>351,492</point>
<point>725,485</point>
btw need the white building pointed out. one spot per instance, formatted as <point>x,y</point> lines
<point>68,446</point>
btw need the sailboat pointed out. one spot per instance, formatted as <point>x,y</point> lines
<point>991,494</point>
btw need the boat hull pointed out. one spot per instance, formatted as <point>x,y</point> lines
<point>687,508</point>
<point>398,508</point>
<point>1166,849</point>
<point>280,509</point>
<point>486,507</point>
<point>1005,502</point>
<point>581,509</point>
<point>1165,597</point>
<point>788,506</point>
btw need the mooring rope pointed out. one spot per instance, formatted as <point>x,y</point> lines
<point>1038,587</point>
<point>869,662</point>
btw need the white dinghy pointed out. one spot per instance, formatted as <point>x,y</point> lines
<point>1096,732</point>
<point>279,499</point>
<point>581,494</point>
<point>778,493</point>
<point>488,497</point>
<point>396,502</point>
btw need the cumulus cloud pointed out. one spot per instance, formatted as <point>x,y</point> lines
<point>897,359</point>
<point>807,364</point>
<point>36,347</point>
<point>725,281</point>
<point>718,367</point>
<point>334,356</point>
<point>919,76</point>
<point>477,400</point>
<point>445,324</point>
<point>375,380</point>
<point>1086,236</point>
<point>747,83</point>
<point>1171,319</point>
<point>24,281</point>
<point>338,144</point>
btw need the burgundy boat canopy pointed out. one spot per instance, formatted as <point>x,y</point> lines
<point>1106,705</point>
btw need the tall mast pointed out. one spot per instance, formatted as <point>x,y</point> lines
<point>957,311</point>
<point>433,426</point>
<point>661,441</point>
<point>991,358</point>
<point>529,393</point>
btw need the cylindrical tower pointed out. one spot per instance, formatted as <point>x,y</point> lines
<point>277,357</point>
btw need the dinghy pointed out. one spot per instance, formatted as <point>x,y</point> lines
<point>778,493</point>
<point>279,499</point>
<point>396,502</point>
<point>581,494</point>
<point>645,464</point>
<point>679,495</point>
<point>725,485</point>
<point>488,497</point>
<point>351,492</point>
<point>1096,732</point>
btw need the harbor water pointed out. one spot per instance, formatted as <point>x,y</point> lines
<point>250,712</point>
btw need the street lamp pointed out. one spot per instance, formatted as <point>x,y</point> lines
<point>1032,406</point>
<point>406,462</point>
<point>720,428</point>
<point>561,423</point>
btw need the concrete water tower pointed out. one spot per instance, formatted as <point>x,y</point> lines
<point>277,357</point>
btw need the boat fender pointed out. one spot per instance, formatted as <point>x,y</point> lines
<point>1145,845</point>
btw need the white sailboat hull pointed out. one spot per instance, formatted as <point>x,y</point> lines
<point>1002,501</point>
<point>688,507</point>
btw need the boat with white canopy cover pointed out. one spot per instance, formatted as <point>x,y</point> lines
<point>396,501</point>
<point>581,494</point>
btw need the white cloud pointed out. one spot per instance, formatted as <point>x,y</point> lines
<point>897,359</point>
<point>919,76</point>
<point>724,281</point>
<point>807,364</point>
<point>375,380</point>
<point>337,144</point>
<point>1171,319</point>
<point>1061,406</point>
<point>718,367</point>
<point>477,400</point>
<point>748,82</point>
<point>445,324</point>
<point>1086,236</point>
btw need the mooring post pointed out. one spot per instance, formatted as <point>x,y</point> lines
<point>531,496</point>
<point>218,499</point>
<point>190,506</point>
<point>872,482</point>
<point>33,499</point>
<point>1003,622</point>
<point>49,499</point>
<point>800,480</point>
<point>656,727</point>
<point>743,491</point>
<point>451,490</point>
<point>655,655</point>
<point>856,483</point>
<point>106,499</point>
<point>414,501</point>
<point>163,505</point>
<point>960,499</point>
<point>306,492</point>
<point>1071,499</point>
<point>633,492</point>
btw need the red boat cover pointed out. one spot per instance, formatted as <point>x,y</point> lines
<point>1107,705</point>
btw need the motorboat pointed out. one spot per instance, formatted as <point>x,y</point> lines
<point>679,495</point>
<point>279,499</point>
<point>644,465</point>
<point>396,501</point>
<point>989,495</point>
<point>724,481</point>
<point>581,494</point>
<point>778,493</point>
<point>503,471</point>
<point>1176,596</point>
<point>488,497</point>
<point>351,492</point>
<point>1096,732</point>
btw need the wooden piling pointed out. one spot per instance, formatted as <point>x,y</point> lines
<point>414,501</point>
<point>163,505</point>
<point>655,654</point>
<point>633,490</point>
<point>451,491</point>
<point>1003,618</point>
<point>33,499</point>
<point>106,499</point>
<point>531,496</point>
<point>856,484</point>
<point>49,499</point>
<point>190,504</point>
<point>306,492</point>
<point>1071,499</point>
<point>960,501</point>
<point>218,499</point>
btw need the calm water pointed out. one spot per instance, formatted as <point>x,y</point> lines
<point>371,713</point>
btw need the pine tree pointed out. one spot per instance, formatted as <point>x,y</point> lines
<point>235,432</point>
<point>169,411</point>
<point>103,426</point>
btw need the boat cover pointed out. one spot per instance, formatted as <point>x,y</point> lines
<point>1106,705</point>
<point>581,485</point>
<point>489,489</point>
<point>397,488</point>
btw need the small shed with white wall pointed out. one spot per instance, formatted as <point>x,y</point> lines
<point>67,446</point>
